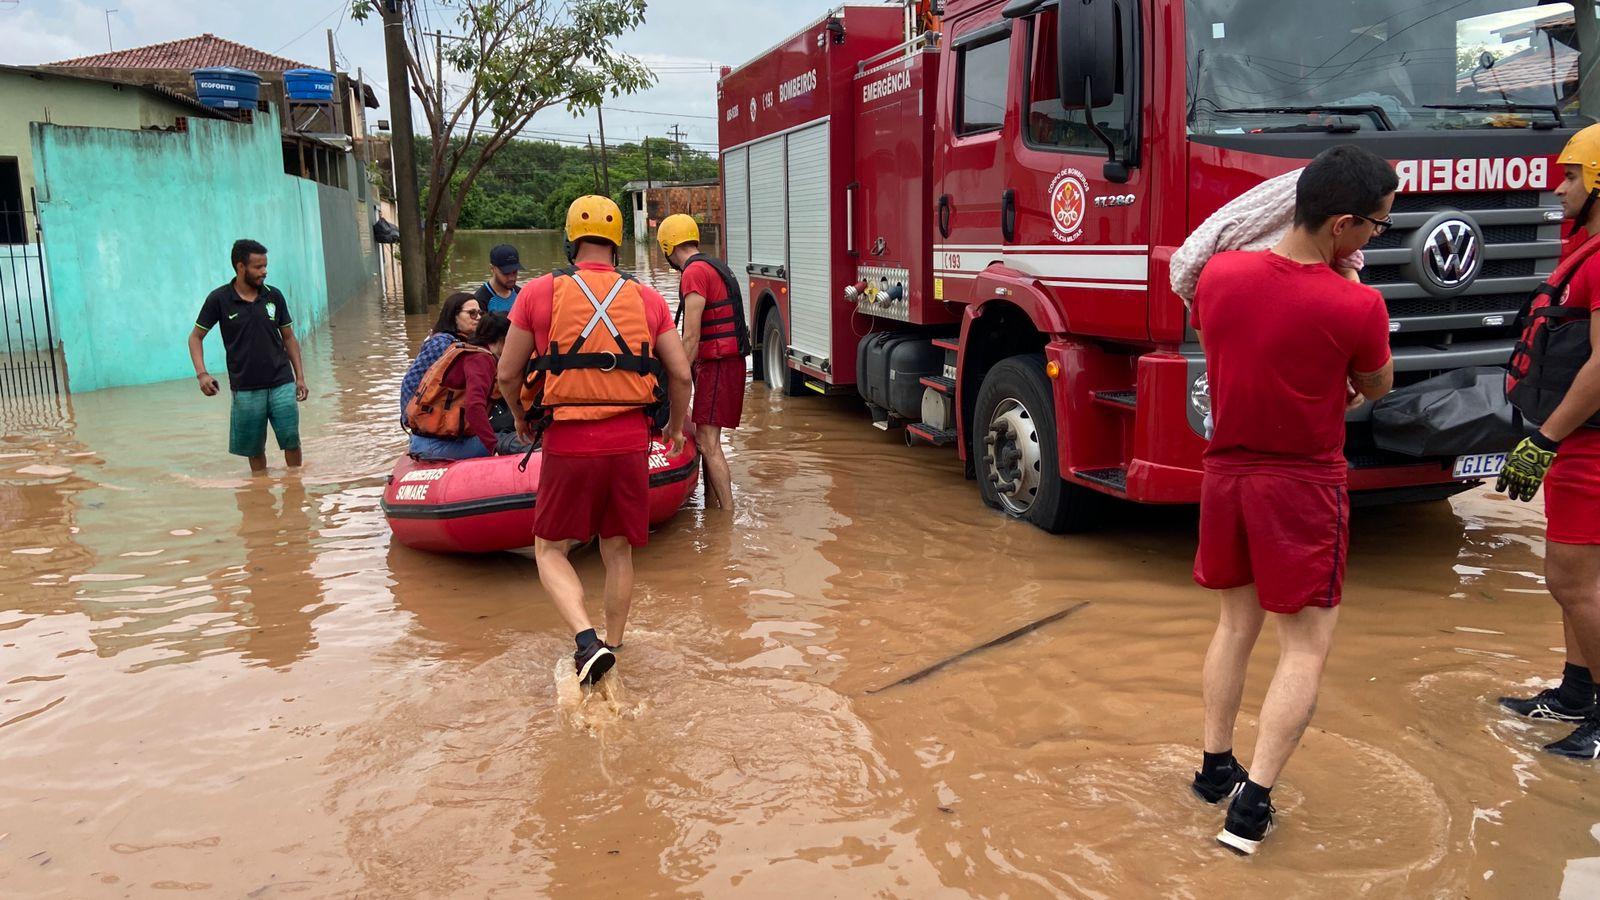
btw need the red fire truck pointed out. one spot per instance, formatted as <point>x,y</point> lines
<point>966,214</point>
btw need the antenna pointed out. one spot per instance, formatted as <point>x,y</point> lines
<point>108,29</point>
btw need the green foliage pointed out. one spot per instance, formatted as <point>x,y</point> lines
<point>530,184</point>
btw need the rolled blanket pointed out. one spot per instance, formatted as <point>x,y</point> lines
<point>1254,220</point>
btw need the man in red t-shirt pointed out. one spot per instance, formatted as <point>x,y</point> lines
<point>1286,337</point>
<point>594,476</point>
<point>1564,457</point>
<point>712,312</point>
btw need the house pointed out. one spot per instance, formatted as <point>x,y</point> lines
<point>651,201</point>
<point>314,134</point>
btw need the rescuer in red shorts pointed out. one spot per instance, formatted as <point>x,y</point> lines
<point>598,344</point>
<point>711,308</point>
<point>1564,456</point>
<point>1285,338</point>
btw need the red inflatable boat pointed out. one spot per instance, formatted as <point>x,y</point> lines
<point>486,505</point>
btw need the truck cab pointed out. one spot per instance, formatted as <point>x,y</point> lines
<point>1006,181</point>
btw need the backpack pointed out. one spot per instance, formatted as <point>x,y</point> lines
<point>436,410</point>
<point>1554,343</point>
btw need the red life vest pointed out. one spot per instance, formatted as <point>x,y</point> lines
<point>436,410</point>
<point>1554,343</point>
<point>723,332</point>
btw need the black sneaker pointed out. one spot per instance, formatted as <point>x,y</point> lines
<point>1581,744</point>
<point>593,662</point>
<point>1221,785</point>
<point>1246,828</point>
<point>1547,705</point>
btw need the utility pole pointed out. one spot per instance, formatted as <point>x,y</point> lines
<point>648,178</point>
<point>438,72</point>
<point>677,152</point>
<point>341,97</point>
<point>605,165</point>
<point>108,29</point>
<point>593,164</point>
<point>414,271</point>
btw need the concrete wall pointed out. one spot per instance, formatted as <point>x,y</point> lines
<point>138,227</point>
<point>30,97</point>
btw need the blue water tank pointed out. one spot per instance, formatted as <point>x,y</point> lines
<point>308,84</point>
<point>226,87</point>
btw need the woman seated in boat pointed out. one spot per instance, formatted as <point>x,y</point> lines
<point>458,318</point>
<point>449,412</point>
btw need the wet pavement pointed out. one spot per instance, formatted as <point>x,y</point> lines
<point>231,688</point>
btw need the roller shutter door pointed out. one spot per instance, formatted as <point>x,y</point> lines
<point>766,178</point>
<point>736,211</point>
<point>810,272</point>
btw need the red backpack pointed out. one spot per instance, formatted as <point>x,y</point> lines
<point>1554,343</point>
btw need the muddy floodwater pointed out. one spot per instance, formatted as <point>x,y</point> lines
<point>240,688</point>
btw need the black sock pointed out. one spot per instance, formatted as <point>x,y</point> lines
<point>1216,763</point>
<point>1254,794</point>
<point>587,639</point>
<point>1577,686</point>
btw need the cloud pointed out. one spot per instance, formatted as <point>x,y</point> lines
<point>677,35</point>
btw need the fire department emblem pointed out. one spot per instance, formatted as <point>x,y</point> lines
<point>1069,201</point>
<point>752,109</point>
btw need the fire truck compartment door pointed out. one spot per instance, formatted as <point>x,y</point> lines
<point>767,237</point>
<point>810,244</point>
<point>736,206</point>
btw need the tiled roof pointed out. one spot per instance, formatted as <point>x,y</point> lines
<point>1531,70</point>
<point>189,53</point>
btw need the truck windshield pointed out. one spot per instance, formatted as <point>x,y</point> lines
<point>1262,66</point>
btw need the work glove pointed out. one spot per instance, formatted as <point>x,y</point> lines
<point>1526,467</point>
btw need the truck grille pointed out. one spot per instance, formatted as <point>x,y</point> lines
<point>1432,334</point>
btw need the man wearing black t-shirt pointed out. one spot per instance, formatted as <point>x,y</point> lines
<point>264,368</point>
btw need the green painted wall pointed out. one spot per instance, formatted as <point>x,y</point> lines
<point>27,97</point>
<point>138,227</point>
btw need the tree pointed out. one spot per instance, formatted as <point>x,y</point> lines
<point>521,57</point>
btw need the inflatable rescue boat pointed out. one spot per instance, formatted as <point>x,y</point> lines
<point>486,505</point>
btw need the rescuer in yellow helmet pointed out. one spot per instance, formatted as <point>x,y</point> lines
<point>715,337</point>
<point>1564,457</point>
<point>582,367</point>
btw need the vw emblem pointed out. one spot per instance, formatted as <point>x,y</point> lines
<point>1451,253</point>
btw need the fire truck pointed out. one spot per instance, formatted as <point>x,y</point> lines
<point>965,213</point>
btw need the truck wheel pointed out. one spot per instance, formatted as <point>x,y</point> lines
<point>775,359</point>
<point>1014,449</point>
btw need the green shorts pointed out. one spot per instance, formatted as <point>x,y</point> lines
<point>252,410</point>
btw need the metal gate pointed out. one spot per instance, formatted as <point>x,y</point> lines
<point>28,365</point>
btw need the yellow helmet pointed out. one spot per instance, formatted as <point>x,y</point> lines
<point>594,216</point>
<point>1584,150</point>
<point>675,230</point>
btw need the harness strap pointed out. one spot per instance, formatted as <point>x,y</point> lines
<point>556,362</point>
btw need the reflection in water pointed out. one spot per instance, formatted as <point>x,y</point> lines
<point>241,687</point>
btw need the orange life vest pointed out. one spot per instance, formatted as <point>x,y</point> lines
<point>598,362</point>
<point>436,410</point>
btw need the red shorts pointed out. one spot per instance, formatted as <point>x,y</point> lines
<point>581,497</point>
<point>1572,491</point>
<point>1287,536</point>
<point>718,392</point>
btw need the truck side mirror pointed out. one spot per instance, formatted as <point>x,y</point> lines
<point>1086,31</point>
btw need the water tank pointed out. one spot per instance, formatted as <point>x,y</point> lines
<point>308,84</point>
<point>226,87</point>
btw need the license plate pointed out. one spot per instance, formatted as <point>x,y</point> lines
<point>1479,465</point>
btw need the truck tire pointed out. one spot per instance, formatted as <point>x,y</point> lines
<point>1013,433</point>
<point>775,370</point>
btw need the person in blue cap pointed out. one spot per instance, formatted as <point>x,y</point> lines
<point>500,291</point>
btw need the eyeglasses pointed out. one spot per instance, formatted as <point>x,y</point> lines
<point>474,313</point>
<point>1379,226</point>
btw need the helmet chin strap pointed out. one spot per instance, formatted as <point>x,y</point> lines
<point>1582,219</point>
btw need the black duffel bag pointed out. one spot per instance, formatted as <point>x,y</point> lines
<point>1457,413</point>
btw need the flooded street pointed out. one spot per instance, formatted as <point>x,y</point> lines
<point>238,688</point>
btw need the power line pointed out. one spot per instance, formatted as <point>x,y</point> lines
<point>648,112</point>
<point>331,13</point>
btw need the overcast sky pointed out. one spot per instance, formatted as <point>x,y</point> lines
<point>687,39</point>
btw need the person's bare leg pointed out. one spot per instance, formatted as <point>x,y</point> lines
<point>561,582</point>
<point>292,458</point>
<point>1572,572</point>
<point>258,464</point>
<point>719,480</point>
<point>1228,657</point>
<point>1304,640</point>
<point>617,554</point>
